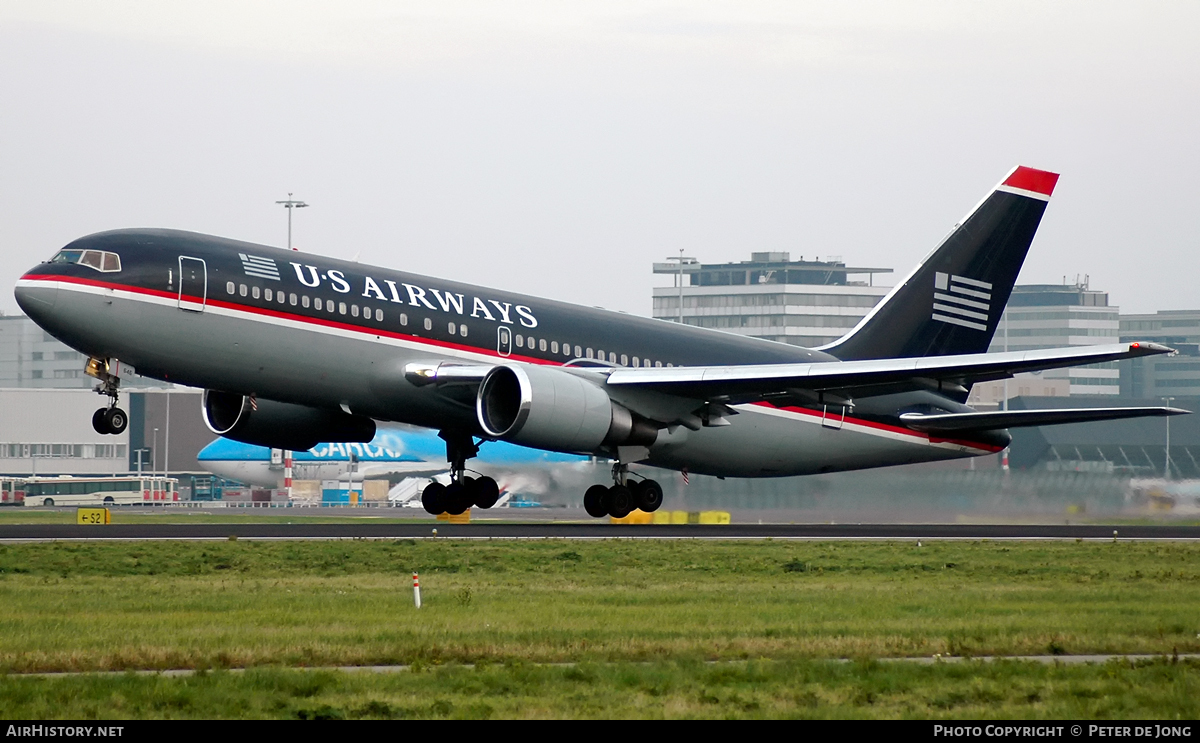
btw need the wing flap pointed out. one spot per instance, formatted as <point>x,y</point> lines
<point>990,420</point>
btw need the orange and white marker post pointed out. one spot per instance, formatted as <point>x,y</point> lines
<point>287,474</point>
<point>416,591</point>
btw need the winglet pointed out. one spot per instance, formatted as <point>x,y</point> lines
<point>1038,184</point>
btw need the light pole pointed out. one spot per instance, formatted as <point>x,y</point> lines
<point>682,259</point>
<point>1167,468</point>
<point>289,203</point>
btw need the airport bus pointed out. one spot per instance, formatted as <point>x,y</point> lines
<point>100,491</point>
<point>12,491</point>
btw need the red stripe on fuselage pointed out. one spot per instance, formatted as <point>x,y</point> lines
<point>283,315</point>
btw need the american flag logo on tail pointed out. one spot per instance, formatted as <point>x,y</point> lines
<point>683,472</point>
<point>262,268</point>
<point>961,301</point>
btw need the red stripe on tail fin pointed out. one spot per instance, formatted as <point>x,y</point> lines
<point>1028,179</point>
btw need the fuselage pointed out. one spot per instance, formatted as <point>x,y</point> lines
<point>221,314</point>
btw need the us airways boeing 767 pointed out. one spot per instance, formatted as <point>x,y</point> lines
<point>297,349</point>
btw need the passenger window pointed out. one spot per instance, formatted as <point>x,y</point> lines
<point>292,300</point>
<point>579,352</point>
<point>612,357</point>
<point>269,295</point>
<point>281,296</point>
<point>317,304</point>
<point>229,287</point>
<point>462,330</point>
<point>379,318</point>
<point>453,329</point>
<point>520,341</point>
<point>329,306</point>
<point>599,355</point>
<point>658,364</point>
<point>553,346</point>
<point>669,365</point>
<point>590,354</point>
<point>624,360</point>
<point>428,324</point>
<point>635,361</point>
<point>542,345</point>
<point>354,310</point>
<point>242,290</point>
<point>403,318</point>
<point>646,363</point>
<point>254,291</point>
<point>304,300</point>
<point>341,308</point>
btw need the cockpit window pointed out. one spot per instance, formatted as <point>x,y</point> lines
<point>101,260</point>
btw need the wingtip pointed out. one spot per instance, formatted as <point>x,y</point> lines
<point>1032,180</point>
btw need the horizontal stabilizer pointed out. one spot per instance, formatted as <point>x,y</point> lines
<point>986,421</point>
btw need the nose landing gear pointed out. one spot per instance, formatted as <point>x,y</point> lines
<point>625,495</point>
<point>110,420</point>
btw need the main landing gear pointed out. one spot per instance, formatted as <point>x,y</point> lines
<point>462,492</point>
<point>625,495</point>
<point>110,419</point>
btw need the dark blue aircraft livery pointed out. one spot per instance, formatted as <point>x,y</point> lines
<point>294,350</point>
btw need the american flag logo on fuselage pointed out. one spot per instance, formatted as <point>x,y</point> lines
<point>961,301</point>
<point>262,268</point>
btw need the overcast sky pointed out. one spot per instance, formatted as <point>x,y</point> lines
<point>561,148</point>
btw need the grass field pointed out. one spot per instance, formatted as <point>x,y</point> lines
<point>640,621</point>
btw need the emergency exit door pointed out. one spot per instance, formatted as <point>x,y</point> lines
<point>193,284</point>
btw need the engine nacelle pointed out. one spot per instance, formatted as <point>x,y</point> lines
<point>281,425</point>
<point>552,409</point>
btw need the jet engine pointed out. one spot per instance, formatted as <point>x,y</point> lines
<point>280,425</point>
<point>552,409</point>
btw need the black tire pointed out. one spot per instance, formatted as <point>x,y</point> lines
<point>594,501</point>
<point>487,492</point>
<point>648,495</point>
<point>100,422</point>
<point>620,501</point>
<point>433,498</point>
<point>108,500</point>
<point>458,496</point>
<point>48,502</point>
<point>117,420</point>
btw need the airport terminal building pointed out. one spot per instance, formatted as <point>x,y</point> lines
<point>804,303</point>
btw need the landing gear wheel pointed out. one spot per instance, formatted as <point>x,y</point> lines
<point>459,496</point>
<point>116,420</point>
<point>487,492</point>
<point>593,501</point>
<point>433,498</point>
<point>99,423</point>
<point>648,495</point>
<point>620,501</point>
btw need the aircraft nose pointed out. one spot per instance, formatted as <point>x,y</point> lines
<point>35,298</point>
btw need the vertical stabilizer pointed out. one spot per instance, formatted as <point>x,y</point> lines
<point>952,302</point>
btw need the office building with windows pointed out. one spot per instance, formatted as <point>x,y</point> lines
<point>1156,377</point>
<point>770,296</point>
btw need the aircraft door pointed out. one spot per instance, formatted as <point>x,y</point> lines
<point>193,284</point>
<point>503,340</point>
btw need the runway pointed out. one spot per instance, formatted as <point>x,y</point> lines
<point>597,530</point>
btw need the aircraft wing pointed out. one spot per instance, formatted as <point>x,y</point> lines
<point>950,373</point>
<point>983,421</point>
